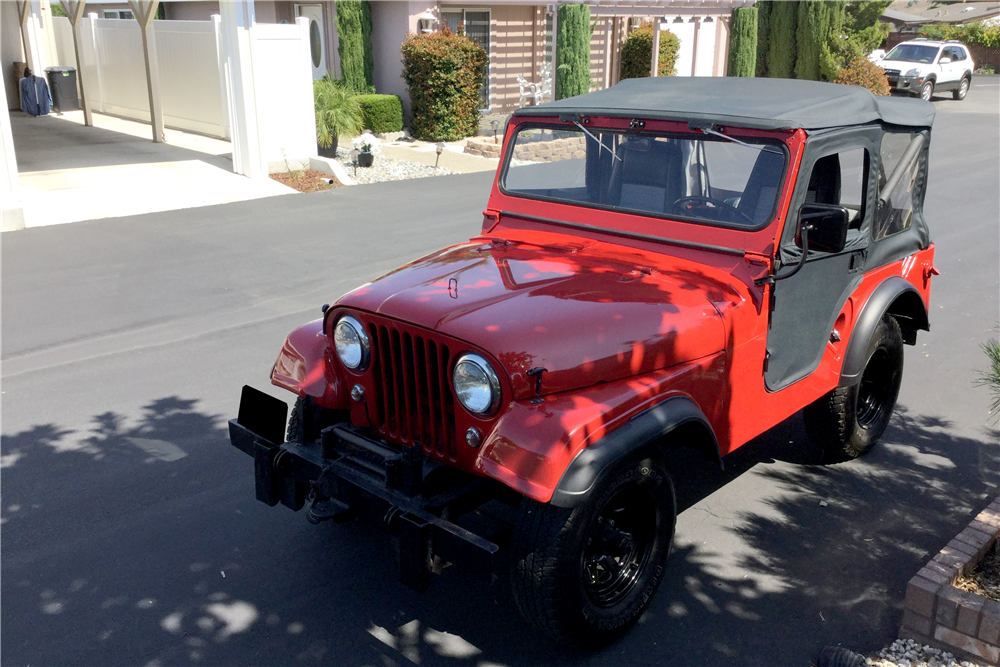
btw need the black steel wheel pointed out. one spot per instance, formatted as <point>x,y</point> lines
<point>584,575</point>
<point>848,421</point>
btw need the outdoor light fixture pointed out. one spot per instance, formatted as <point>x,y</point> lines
<point>426,20</point>
<point>354,160</point>
<point>438,148</point>
<point>707,19</point>
<point>495,123</point>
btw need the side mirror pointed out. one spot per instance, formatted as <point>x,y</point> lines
<point>823,227</point>
<point>944,61</point>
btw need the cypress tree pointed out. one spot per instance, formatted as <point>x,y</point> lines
<point>743,42</point>
<point>781,40</point>
<point>811,36</point>
<point>354,30</point>
<point>573,51</point>
<point>764,8</point>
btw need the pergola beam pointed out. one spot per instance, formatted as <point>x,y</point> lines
<point>74,12</point>
<point>144,12</point>
<point>26,12</point>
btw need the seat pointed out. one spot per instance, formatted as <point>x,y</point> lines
<point>648,177</point>
<point>824,183</point>
<point>527,90</point>
<point>757,200</point>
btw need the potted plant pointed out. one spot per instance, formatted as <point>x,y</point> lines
<point>337,113</point>
<point>367,145</point>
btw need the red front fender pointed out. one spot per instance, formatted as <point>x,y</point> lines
<point>533,443</point>
<point>304,367</point>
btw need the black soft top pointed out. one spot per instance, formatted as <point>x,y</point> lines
<point>766,104</point>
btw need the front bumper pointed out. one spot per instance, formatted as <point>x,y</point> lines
<point>909,85</point>
<point>345,474</point>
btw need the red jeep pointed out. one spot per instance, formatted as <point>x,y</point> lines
<point>669,263</point>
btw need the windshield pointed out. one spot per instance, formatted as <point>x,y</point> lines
<point>694,178</point>
<point>913,53</point>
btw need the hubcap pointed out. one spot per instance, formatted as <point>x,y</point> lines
<point>964,88</point>
<point>618,546</point>
<point>875,389</point>
<point>925,93</point>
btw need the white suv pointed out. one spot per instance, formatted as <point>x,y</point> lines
<point>921,67</point>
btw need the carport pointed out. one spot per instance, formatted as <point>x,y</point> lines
<point>261,135</point>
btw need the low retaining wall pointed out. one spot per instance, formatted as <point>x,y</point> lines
<point>940,615</point>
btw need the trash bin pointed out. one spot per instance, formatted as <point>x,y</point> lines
<point>62,86</point>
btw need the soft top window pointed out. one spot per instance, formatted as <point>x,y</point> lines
<point>690,178</point>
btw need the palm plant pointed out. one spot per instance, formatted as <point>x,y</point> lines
<point>991,376</point>
<point>337,112</point>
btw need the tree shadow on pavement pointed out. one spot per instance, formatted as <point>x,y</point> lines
<point>139,543</point>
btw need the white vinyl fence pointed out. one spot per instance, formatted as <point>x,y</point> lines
<point>193,87</point>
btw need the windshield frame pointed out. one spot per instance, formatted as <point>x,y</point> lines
<point>753,137</point>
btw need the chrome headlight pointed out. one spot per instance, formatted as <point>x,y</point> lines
<point>352,343</point>
<point>912,73</point>
<point>476,384</point>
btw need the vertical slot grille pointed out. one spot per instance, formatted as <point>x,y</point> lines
<point>413,399</point>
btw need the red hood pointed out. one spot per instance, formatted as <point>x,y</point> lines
<point>586,315</point>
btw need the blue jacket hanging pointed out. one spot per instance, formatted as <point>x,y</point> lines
<point>35,97</point>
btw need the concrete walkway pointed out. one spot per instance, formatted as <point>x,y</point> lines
<point>70,172</point>
<point>453,158</point>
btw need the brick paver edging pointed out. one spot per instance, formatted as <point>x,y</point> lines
<point>949,618</point>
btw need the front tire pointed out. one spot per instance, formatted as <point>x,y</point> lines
<point>927,91</point>
<point>848,421</point>
<point>962,90</point>
<point>583,576</point>
<point>308,419</point>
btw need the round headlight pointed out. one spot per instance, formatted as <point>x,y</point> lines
<point>476,385</point>
<point>352,343</point>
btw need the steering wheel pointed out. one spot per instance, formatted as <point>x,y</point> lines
<point>686,205</point>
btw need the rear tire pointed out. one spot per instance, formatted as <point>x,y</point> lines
<point>962,90</point>
<point>584,575</point>
<point>848,421</point>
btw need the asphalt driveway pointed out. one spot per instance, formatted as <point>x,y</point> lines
<point>131,537</point>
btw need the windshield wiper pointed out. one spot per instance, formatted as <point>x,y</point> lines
<point>599,142</point>
<point>707,129</point>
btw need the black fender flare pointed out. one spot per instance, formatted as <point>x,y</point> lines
<point>897,297</point>
<point>587,467</point>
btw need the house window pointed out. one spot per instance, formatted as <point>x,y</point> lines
<point>118,14</point>
<point>476,23</point>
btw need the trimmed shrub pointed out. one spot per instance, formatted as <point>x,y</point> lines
<point>782,46</point>
<point>573,51</point>
<point>443,73</point>
<point>637,53</point>
<point>865,73</point>
<point>354,32</point>
<point>381,113</point>
<point>743,42</point>
<point>819,28</point>
<point>763,34</point>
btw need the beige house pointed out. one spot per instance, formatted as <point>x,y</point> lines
<point>517,34</point>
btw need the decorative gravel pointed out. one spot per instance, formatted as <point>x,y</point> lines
<point>908,653</point>
<point>387,169</point>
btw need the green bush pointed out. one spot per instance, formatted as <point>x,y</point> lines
<point>743,42</point>
<point>381,113</point>
<point>990,378</point>
<point>763,34</point>
<point>637,53</point>
<point>782,46</point>
<point>865,73</point>
<point>337,112</point>
<point>354,33</point>
<point>975,33</point>
<point>573,51</point>
<point>820,23</point>
<point>443,74</point>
